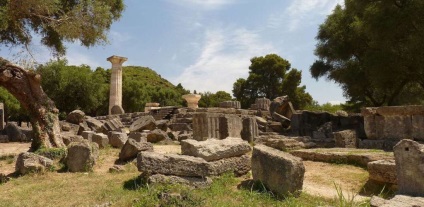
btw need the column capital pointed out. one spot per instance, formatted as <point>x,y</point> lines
<point>116,59</point>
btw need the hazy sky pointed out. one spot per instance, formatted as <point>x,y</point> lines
<point>207,44</point>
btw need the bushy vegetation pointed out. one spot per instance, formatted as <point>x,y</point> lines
<point>271,76</point>
<point>79,87</point>
<point>327,107</point>
<point>213,99</point>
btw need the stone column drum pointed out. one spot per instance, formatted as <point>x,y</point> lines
<point>115,95</point>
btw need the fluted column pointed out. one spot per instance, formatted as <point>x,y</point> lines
<point>115,95</point>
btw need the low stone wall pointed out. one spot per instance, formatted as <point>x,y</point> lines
<point>394,123</point>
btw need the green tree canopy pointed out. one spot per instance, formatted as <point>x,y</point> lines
<point>374,50</point>
<point>271,76</point>
<point>213,99</point>
<point>74,87</point>
<point>56,22</point>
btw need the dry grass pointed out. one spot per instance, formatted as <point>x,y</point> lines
<point>124,189</point>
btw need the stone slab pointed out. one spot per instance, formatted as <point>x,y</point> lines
<point>214,149</point>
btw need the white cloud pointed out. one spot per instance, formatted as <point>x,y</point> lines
<point>203,4</point>
<point>302,12</point>
<point>225,57</point>
<point>77,58</point>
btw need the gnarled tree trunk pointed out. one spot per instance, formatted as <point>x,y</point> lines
<point>25,85</point>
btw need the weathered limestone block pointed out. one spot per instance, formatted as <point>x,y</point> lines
<point>250,130</point>
<point>285,143</point>
<point>101,139</point>
<point>214,125</point>
<point>397,127</point>
<point>238,165</point>
<point>261,104</point>
<point>138,136</point>
<point>418,127</point>
<point>75,117</point>
<point>281,172</point>
<point>117,139</point>
<point>397,201</point>
<point>382,171</point>
<point>180,127</point>
<point>345,139</point>
<point>214,149</point>
<point>88,135</point>
<point>282,106</point>
<point>14,133</point>
<point>230,104</point>
<point>131,148</point>
<point>112,124</point>
<point>156,135</point>
<point>82,156</point>
<point>143,123</point>
<point>197,182</point>
<point>68,138</point>
<point>409,156</point>
<point>69,127</point>
<point>28,162</point>
<point>172,164</point>
<point>93,123</point>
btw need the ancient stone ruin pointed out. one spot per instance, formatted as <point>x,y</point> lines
<point>214,141</point>
<point>115,95</point>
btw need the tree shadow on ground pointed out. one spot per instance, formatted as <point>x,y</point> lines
<point>384,190</point>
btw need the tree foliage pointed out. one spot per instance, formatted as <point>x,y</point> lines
<point>374,50</point>
<point>271,76</point>
<point>213,99</point>
<point>57,21</point>
<point>78,87</point>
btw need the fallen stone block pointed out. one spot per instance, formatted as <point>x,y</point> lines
<point>117,139</point>
<point>397,201</point>
<point>68,138</point>
<point>88,135</point>
<point>131,148</point>
<point>280,172</point>
<point>197,182</point>
<point>156,135</point>
<point>28,162</point>
<point>382,171</point>
<point>75,117</point>
<point>82,156</point>
<point>138,136</point>
<point>345,139</point>
<point>143,123</point>
<point>214,149</point>
<point>101,139</point>
<point>172,164</point>
<point>238,165</point>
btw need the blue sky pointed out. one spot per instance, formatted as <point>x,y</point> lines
<point>207,44</point>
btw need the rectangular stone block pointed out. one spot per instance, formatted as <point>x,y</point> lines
<point>250,130</point>
<point>418,127</point>
<point>172,164</point>
<point>345,139</point>
<point>397,127</point>
<point>238,165</point>
<point>279,171</point>
<point>214,125</point>
<point>215,149</point>
<point>370,127</point>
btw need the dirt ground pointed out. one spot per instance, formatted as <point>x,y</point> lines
<point>320,178</point>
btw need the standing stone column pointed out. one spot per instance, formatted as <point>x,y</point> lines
<point>115,95</point>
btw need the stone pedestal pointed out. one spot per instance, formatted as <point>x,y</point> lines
<point>115,95</point>
<point>192,100</point>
